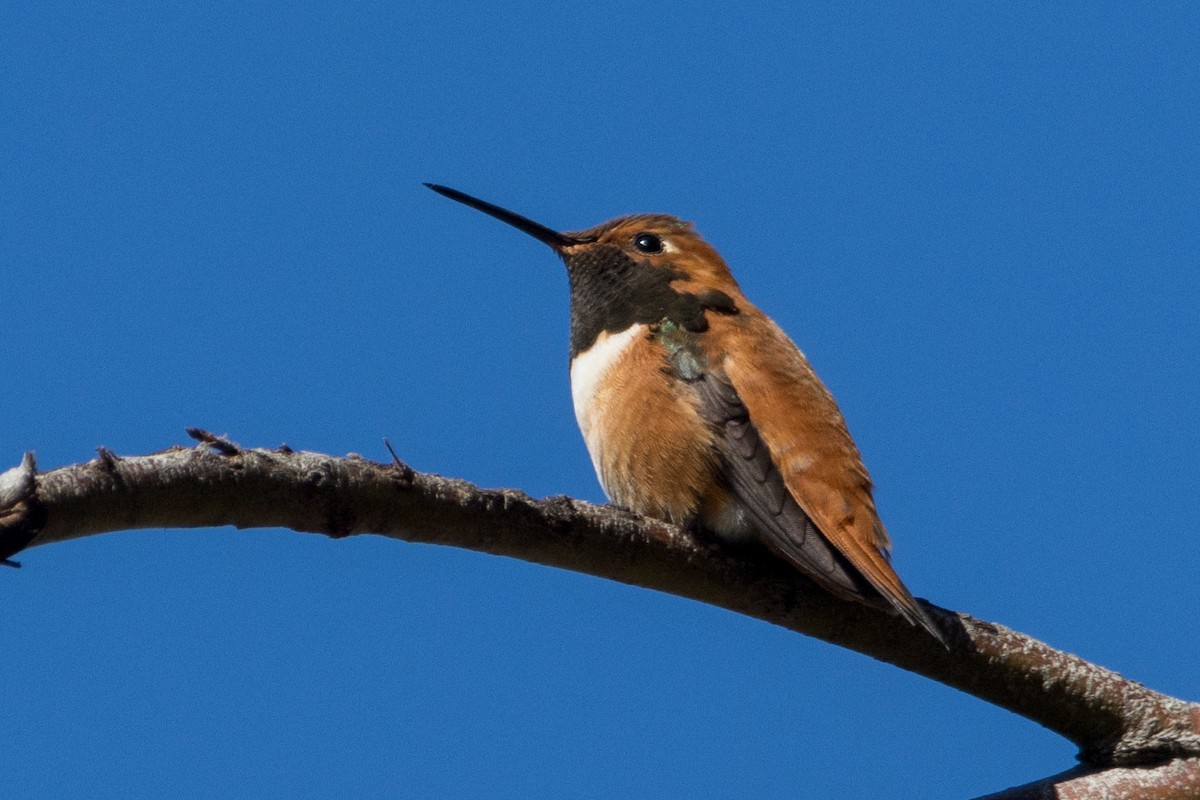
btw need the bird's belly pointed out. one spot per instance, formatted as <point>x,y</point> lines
<point>652,451</point>
<point>592,372</point>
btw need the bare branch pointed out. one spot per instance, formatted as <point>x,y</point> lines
<point>1178,779</point>
<point>1114,721</point>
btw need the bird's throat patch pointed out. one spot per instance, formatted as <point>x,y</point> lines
<point>611,292</point>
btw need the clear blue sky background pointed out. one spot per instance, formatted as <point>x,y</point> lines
<point>980,224</point>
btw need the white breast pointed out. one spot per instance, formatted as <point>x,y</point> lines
<point>588,371</point>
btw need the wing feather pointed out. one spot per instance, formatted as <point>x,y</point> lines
<point>791,463</point>
<point>758,488</point>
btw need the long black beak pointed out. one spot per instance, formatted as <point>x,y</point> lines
<point>556,240</point>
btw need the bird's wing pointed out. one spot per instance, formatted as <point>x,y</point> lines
<point>758,488</point>
<point>784,439</point>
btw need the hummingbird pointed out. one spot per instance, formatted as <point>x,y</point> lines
<point>698,409</point>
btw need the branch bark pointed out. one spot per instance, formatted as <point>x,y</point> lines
<point>1124,731</point>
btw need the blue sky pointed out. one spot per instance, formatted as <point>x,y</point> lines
<point>979,223</point>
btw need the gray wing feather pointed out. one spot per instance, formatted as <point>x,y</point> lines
<point>757,486</point>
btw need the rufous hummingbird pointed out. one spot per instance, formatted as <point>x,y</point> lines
<point>699,410</point>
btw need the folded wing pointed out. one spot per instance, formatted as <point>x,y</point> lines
<point>790,463</point>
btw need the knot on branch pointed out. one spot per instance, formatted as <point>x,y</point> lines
<point>1160,730</point>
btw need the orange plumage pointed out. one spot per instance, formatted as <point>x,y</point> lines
<point>698,409</point>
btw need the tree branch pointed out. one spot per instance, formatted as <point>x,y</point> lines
<point>1115,722</point>
<point>1177,779</point>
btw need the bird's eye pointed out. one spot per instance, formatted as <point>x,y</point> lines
<point>648,243</point>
